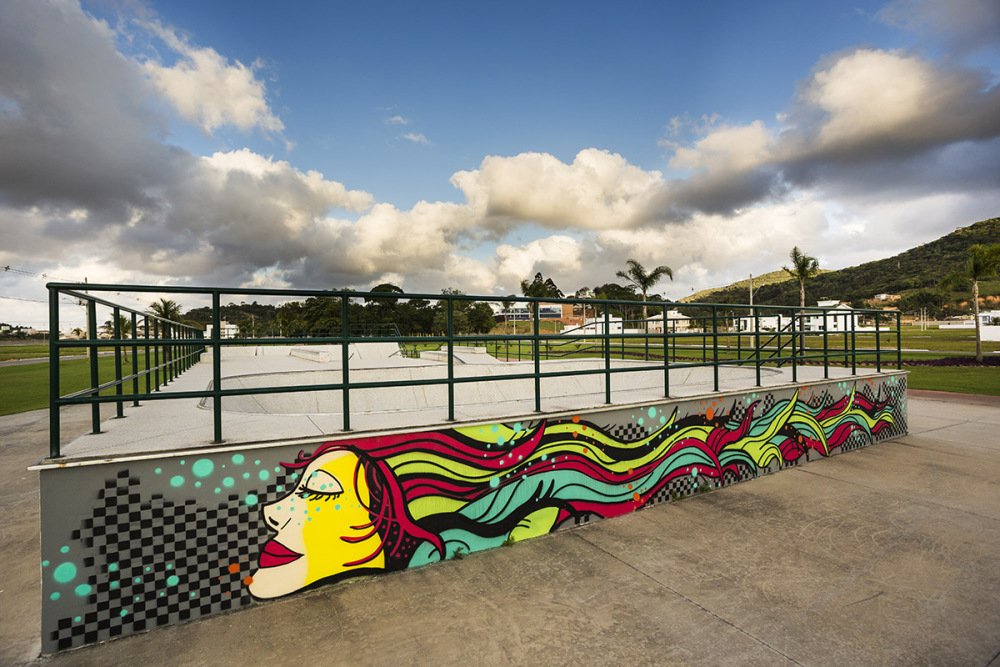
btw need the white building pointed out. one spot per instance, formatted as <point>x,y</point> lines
<point>226,330</point>
<point>675,322</point>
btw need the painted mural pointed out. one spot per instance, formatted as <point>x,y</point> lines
<point>171,540</point>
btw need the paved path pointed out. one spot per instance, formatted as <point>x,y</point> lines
<point>882,556</point>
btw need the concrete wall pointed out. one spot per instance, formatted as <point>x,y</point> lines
<point>129,545</point>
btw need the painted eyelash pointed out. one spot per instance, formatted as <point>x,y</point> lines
<point>306,494</point>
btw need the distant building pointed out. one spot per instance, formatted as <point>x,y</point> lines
<point>226,330</point>
<point>567,313</point>
<point>675,322</point>
<point>886,298</point>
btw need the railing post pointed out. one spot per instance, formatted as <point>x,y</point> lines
<point>795,374</point>
<point>756,341</point>
<point>607,355</point>
<point>536,327</point>
<point>450,302</point>
<point>878,345</point>
<point>145,335</point>
<point>95,381</point>
<point>826,347</point>
<point>54,407</point>
<point>135,360</point>
<point>156,353</point>
<point>116,313</point>
<point>846,343</point>
<point>715,348</point>
<point>216,367</point>
<point>854,344</point>
<point>899,341</point>
<point>666,357</point>
<point>345,374</point>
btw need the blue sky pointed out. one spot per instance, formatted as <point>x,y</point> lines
<point>469,145</point>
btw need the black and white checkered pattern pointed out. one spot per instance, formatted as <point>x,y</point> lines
<point>138,545</point>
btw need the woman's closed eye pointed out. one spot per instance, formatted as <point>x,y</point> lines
<point>320,485</point>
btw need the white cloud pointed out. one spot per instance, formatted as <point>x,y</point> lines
<point>210,91</point>
<point>416,137</point>
<point>397,120</point>
<point>598,190</point>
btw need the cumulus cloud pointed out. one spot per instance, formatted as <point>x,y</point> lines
<point>598,190</point>
<point>397,120</point>
<point>208,89</point>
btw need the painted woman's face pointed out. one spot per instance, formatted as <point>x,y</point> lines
<point>321,527</point>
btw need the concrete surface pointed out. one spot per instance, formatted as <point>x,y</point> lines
<point>882,556</point>
<point>284,416</point>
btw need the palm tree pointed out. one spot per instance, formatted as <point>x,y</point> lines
<point>803,268</point>
<point>168,309</point>
<point>636,274</point>
<point>124,325</point>
<point>508,303</point>
<point>983,262</point>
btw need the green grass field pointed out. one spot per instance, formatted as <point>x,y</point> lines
<point>26,387</point>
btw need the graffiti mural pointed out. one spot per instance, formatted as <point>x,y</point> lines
<point>174,539</point>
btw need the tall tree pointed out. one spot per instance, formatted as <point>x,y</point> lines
<point>983,262</point>
<point>636,274</point>
<point>803,268</point>
<point>540,287</point>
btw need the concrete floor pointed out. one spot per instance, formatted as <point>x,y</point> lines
<point>884,555</point>
<point>159,425</point>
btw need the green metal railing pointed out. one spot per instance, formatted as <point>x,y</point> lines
<point>713,335</point>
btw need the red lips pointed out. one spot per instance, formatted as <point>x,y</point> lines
<point>275,553</point>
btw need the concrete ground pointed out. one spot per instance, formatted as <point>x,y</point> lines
<point>884,555</point>
<point>287,416</point>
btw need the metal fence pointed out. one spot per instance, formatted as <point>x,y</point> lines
<point>711,335</point>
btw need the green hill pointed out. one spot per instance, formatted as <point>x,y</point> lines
<point>771,278</point>
<point>917,269</point>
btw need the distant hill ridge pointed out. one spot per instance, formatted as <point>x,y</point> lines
<point>920,267</point>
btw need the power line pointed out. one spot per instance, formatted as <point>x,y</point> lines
<point>25,272</point>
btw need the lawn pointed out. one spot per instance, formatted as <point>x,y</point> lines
<point>26,387</point>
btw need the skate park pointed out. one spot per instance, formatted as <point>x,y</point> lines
<point>133,465</point>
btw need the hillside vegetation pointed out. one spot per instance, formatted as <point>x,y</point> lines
<point>918,270</point>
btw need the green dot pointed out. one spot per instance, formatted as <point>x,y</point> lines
<point>124,613</point>
<point>177,481</point>
<point>641,421</point>
<point>197,485</point>
<point>280,488</point>
<point>217,490</point>
<point>64,573</point>
<point>137,580</point>
<point>173,580</point>
<point>228,482</point>
<point>149,568</point>
<point>115,585</point>
<point>651,412</point>
<point>45,563</point>
<point>182,461</point>
<point>246,475</point>
<point>55,596</point>
<point>252,499</point>
<point>257,462</point>
<point>77,619</point>
<point>112,567</point>
<point>83,590</point>
<point>238,459</point>
<point>192,594</point>
<point>264,475</point>
<point>494,482</point>
<point>170,566</point>
<point>64,550</point>
<point>158,471</point>
<point>202,468</point>
<point>277,469</point>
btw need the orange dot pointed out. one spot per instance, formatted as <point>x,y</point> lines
<point>575,434</point>
<point>247,580</point>
<point>635,497</point>
<point>709,413</point>
<point>576,419</point>
<point>234,568</point>
<point>629,487</point>
<point>586,451</point>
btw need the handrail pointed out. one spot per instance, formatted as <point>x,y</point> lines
<point>169,348</point>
